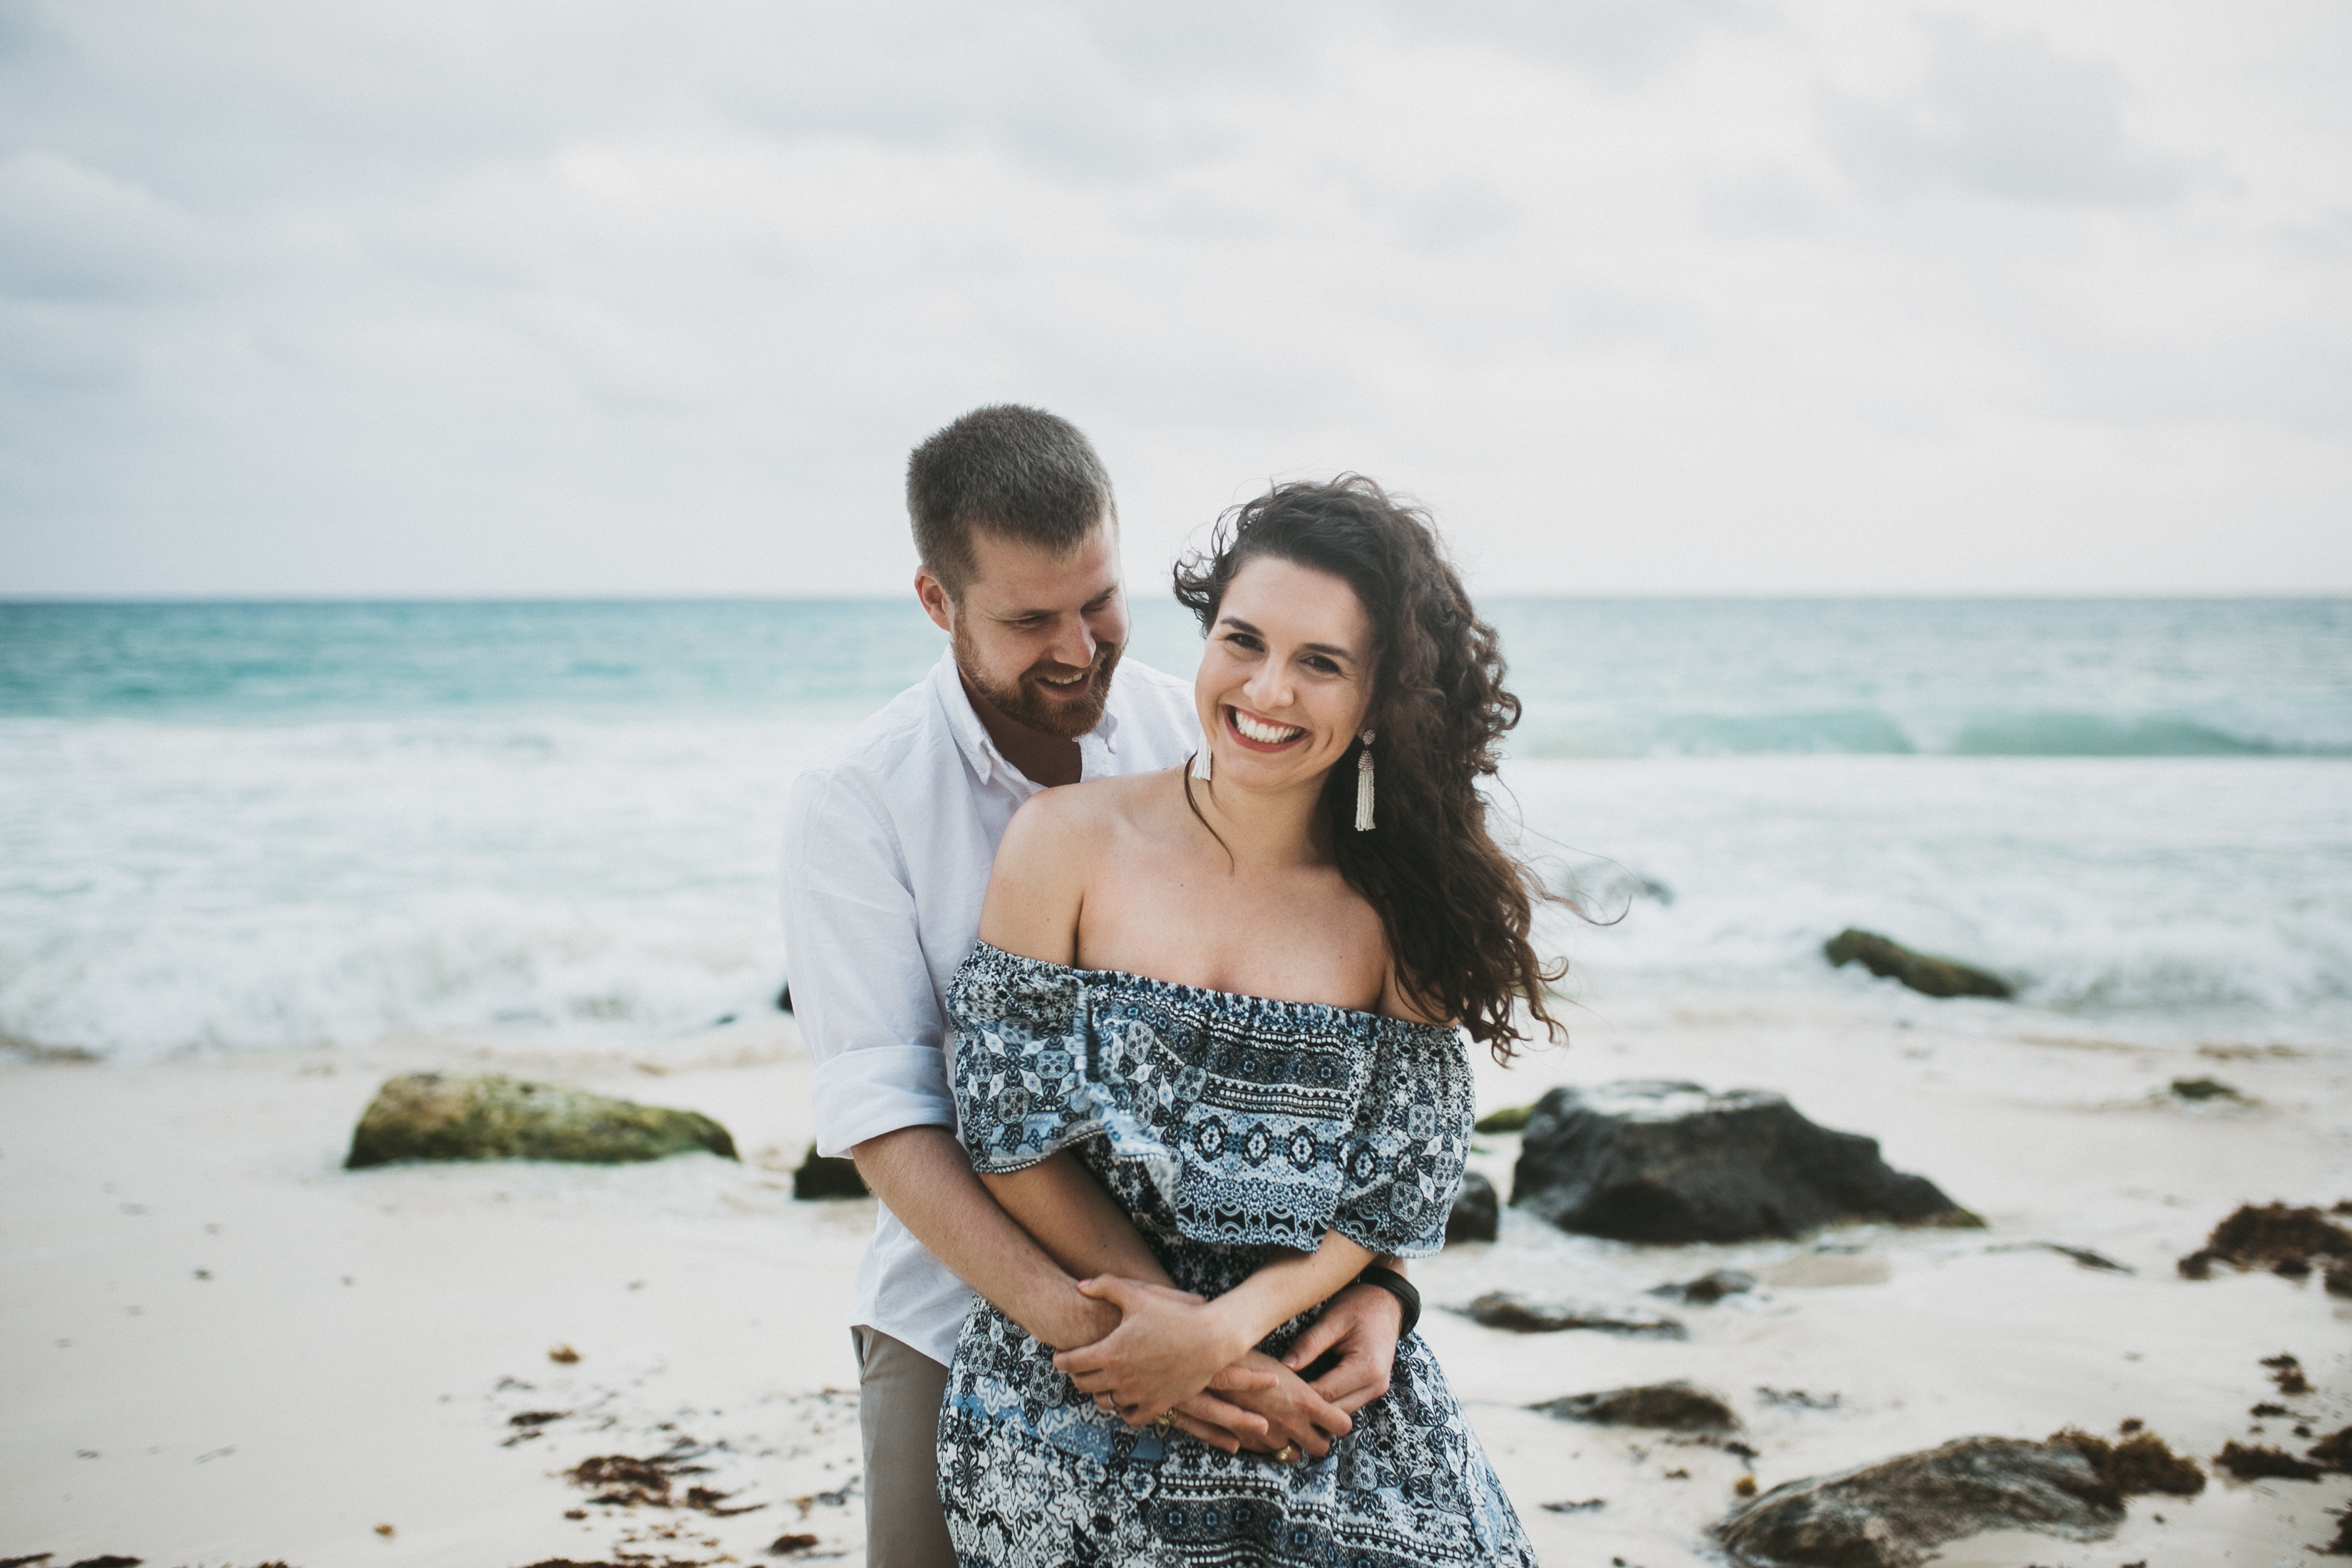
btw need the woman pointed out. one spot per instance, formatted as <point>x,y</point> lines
<point>1209,1054</point>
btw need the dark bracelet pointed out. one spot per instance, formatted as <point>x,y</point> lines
<point>1396,1285</point>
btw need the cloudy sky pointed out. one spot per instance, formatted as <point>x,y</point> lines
<point>1679,296</point>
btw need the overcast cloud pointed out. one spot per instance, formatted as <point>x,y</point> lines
<point>1697,296</point>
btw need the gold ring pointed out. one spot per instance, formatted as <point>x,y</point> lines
<point>1286,1454</point>
<point>1164,1422</point>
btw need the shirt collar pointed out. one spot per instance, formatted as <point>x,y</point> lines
<point>972,736</point>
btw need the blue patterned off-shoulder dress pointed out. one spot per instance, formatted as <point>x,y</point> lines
<point>1224,1125</point>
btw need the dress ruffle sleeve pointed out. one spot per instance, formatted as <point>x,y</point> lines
<point>1259,1121</point>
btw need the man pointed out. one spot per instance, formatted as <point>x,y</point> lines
<point>888,848</point>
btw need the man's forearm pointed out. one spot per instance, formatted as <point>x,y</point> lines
<point>924,1176</point>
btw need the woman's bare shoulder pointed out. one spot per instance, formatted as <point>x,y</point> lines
<point>1079,815</point>
<point>1050,849</point>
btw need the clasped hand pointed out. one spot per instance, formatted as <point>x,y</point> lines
<point>1174,1354</point>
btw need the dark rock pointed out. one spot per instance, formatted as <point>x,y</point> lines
<point>1659,1161</point>
<point>827,1177</point>
<point>1668,1406</point>
<point>784,998</point>
<point>1477,1213</point>
<point>2267,1234</point>
<point>1502,1309</point>
<point>2334,1451</point>
<point>427,1116</point>
<point>1510,1119</point>
<point>1585,1506</point>
<point>2251,1462</point>
<point>1928,975</point>
<point>2203,1089</point>
<point>1895,1513</point>
<point>1707,1288</point>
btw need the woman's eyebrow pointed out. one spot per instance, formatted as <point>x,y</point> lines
<point>1334,650</point>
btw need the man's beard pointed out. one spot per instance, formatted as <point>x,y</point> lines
<point>1023,703</point>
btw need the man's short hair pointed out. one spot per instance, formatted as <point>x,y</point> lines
<point>1020,473</point>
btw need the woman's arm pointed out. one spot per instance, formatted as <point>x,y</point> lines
<point>1251,1401</point>
<point>1167,1348</point>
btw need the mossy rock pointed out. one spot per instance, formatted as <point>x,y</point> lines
<point>1511,1119</point>
<point>1923,972</point>
<point>429,1116</point>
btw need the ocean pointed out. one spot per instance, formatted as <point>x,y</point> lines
<point>242,827</point>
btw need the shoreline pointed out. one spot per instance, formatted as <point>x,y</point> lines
<point>268,1411</point>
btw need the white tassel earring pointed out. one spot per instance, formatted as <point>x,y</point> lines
<point>1364,786</point>
<point>1201,763</point>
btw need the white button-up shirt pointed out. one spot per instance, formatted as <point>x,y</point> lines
<point>887,845</point>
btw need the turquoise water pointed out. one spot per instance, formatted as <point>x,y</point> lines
<point>1601,677</point>
<point>249,825</point>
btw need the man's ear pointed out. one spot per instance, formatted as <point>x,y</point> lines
<point>937,601</point>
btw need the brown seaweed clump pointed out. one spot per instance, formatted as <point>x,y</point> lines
<point>2141,1463</point>
<point>2251,1462</point>
<point>2277,1236</point>
<point>2342,1545</point>
<point>2287,1373</point>
<point>631,1482</point>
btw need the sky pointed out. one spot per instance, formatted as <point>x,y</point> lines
<point>1738,297</point>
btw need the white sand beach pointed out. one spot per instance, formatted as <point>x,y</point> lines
<point>219,1347</point>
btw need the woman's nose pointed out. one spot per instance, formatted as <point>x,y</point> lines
<point>1268,690</point>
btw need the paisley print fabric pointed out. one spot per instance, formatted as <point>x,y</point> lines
<point>1224,1125</point>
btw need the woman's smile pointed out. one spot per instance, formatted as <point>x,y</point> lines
<point>1260,735</point>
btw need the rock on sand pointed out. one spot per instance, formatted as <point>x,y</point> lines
<point>1652,1161</point>
<point>1666,1406</point>
<point>429,1116</point>
<point>1476,1212</point>
<point>1893,1514</point>
<point>1922,972</point>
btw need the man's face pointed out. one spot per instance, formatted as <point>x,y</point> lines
<point>1037,635</point>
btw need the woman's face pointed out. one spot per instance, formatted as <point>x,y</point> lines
<point>1286,677</point>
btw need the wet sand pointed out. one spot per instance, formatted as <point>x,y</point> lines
<point>217,1347</point>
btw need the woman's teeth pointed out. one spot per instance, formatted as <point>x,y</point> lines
<point>1265,735</point>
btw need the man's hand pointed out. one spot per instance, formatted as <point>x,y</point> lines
<point>1360,1322</point>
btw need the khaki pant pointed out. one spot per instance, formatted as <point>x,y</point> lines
<point>900,1390</point>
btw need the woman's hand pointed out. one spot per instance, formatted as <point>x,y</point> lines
<point>1258,1404</point>
<point>1168,1347</point>
<point>1293,1413</point>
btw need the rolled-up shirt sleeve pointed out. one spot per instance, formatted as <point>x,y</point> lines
<point>862,994</point>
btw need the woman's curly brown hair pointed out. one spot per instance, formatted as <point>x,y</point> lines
<point>1456,907</point>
